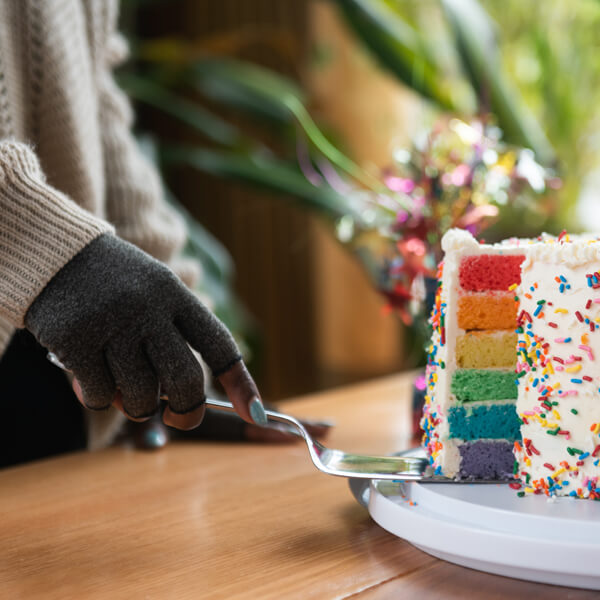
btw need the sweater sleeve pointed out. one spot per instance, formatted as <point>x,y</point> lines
<point>134,193</point>
<point>41,229</point>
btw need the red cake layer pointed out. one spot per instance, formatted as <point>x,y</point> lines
<point>490,272</point>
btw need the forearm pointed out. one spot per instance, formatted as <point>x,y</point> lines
<point>40,230</point>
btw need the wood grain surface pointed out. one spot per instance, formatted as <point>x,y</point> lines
<point>203,520</point>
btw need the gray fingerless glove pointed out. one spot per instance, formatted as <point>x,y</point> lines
<point>118,318</point>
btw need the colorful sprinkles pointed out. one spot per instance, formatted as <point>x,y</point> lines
<point>554,372</point>
<point>431,418</point>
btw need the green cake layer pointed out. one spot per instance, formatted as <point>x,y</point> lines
<point>475,385</point>
<point>497,421</point>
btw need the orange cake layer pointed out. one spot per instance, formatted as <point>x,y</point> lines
<point>478,311</point>
<point>484,349</point>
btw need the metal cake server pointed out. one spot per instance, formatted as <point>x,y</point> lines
<point>345,464</point>
<point>411,465</point>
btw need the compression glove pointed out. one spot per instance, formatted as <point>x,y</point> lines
<point>119,319</point>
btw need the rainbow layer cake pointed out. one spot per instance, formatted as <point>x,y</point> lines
<point>513,384</point>
<point>470,420</point>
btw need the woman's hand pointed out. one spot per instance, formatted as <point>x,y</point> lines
<point>239,387</point>
<point>123,323</point>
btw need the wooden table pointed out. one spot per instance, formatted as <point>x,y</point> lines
<point>202,520</point>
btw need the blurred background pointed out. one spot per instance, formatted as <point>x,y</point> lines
<point>320,148</point>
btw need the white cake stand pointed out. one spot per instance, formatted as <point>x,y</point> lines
<point>489,528</point>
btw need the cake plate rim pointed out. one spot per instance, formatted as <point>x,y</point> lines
<point>418,513</point>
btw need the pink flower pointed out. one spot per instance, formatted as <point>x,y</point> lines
<point>399,184</point>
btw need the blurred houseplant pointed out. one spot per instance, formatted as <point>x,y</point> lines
<point>448,53</point>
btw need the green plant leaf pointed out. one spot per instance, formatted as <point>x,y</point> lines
<point>248,86</point>
<point>268,173</point>
<point>397,46</point>
<point>476,42</point>
<point>205,122</point>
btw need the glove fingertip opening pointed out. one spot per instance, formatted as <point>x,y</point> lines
<point>229,365</point>
<point>189,409</point>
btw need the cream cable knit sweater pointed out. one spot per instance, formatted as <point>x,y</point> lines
<point>70,169</point>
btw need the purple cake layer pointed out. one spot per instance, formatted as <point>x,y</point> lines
<point>486,460</point>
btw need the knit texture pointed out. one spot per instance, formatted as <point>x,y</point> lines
<point>69,164</point>
<point>41,230</point>
<point>120,319</point>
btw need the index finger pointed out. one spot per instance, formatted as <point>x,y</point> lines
<point>243,394</point>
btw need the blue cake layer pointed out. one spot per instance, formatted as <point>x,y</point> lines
<point>485,459</point>
<point>496,421</point>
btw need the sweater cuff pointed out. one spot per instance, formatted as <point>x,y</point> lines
<point>40,230</point>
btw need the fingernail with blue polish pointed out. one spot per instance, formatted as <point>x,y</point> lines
<point>257,412</point>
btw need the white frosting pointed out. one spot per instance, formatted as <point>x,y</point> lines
<point>570,305</point>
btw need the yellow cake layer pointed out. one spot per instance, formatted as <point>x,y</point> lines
<point>487,312</point>
<point>484,349</point>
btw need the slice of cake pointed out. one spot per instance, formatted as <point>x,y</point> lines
<point>470,421</point>
<point>519,319</point>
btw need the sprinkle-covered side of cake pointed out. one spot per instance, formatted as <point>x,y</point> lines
<point>558,368</point>
<point>470,422</point>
